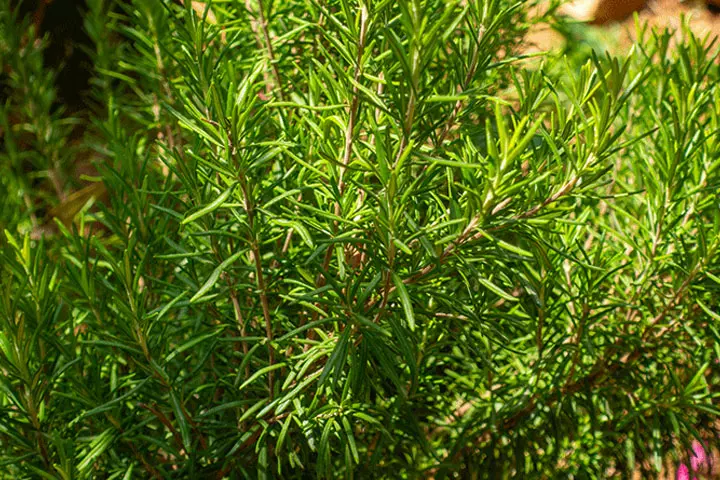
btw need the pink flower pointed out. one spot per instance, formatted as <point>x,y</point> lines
<point>683,473</point>
<point>697,457</point>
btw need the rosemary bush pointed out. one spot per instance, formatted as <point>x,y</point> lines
<point>356,238</point>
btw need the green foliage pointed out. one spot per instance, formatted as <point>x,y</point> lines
<point>360,239</point>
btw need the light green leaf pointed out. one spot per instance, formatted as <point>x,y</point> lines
<point>405,301</point>
<point>215,275</point>
<point>211,207</point>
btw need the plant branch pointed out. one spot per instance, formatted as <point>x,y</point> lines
<point>261,284</point>
<point>261,24</point>
<point>355,102</point>
<point>462,88</point>
<point>467,235</point>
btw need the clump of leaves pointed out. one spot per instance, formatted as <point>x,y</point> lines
<point>369,239</point>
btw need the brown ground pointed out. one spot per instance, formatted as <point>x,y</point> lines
<point>668,13</point>
<point>702,19</point>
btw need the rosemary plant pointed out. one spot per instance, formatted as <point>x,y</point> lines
<point>356,239</point>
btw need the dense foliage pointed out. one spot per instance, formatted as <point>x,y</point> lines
<point>355,238</point>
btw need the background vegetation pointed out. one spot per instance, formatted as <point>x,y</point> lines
<point>354,238</point>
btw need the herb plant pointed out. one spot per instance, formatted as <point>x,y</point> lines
<point>356,238</point>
